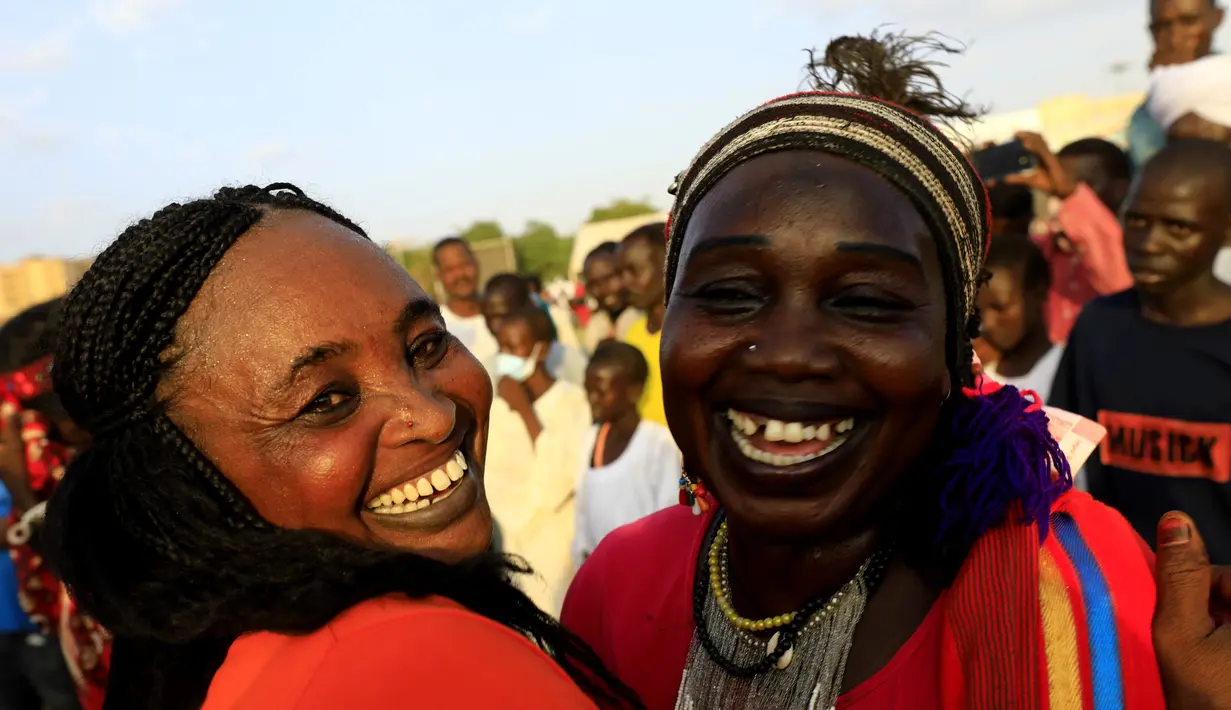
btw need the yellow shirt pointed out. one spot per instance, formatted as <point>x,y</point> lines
<point>639,337</point>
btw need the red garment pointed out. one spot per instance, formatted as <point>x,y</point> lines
<point>390,653</point>
<point>86,646</point>
<point>632,602</point>
<point>1096,266</point>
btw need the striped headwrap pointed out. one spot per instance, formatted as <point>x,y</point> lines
<point>904,148</point>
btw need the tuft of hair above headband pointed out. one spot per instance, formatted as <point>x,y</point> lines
<point>896,67</point>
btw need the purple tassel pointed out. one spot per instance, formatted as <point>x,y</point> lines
<point>1003,453</point>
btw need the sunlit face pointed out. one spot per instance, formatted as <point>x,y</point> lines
<point>605,282</point>
<point>803,349</point>
<point>610,392</point>
<point>1003,309</point>
<point>319,379</point>
<point>642,267</point>
<point>457,271</point>
<point>1183,30</point>
<point>497,304</point>
<point>1174,224</point>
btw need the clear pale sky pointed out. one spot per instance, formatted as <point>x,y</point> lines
<point>416,118</point>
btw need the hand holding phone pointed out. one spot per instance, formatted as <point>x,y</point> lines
<point>1000,161</point>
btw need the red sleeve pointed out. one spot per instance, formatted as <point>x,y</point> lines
<point>444,660</point>
<point>1098,236</point>
<point>582,612</point>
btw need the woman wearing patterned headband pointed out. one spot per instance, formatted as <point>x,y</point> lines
<point>875,527</point>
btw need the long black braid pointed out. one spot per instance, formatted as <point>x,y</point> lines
<point>158,546</point>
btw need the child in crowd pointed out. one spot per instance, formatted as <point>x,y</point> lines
<point>534,437</point>
<point>631,466</point>
<point>1013,306</point>
<point>643,257</point>
<point>506,293</point>
<point>1153,363</point>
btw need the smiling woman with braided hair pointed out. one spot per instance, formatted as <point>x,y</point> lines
<point>283,505</point>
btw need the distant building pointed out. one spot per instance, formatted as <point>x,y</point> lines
<point>37,279</point>
<point>592,234</point>
<point>1061,120</point>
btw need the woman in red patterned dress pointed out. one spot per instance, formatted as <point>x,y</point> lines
<point>37,442</point>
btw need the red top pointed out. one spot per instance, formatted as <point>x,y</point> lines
<point>985,642</point>
<point>1096,265</point>
<point>392,653</point>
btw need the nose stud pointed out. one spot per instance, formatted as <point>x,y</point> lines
<point>409,423</point>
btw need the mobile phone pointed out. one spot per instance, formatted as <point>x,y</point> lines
<point>1003,160</point>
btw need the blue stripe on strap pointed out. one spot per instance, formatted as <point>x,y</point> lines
<point>1105,670</point>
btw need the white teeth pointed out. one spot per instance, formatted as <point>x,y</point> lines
<point>744,426</point>
<point>747,448</point>
<point>423,491</point>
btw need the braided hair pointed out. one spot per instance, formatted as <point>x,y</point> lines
<point>156,543</point>
<point>877,100</point>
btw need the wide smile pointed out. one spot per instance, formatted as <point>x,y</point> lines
<point>413,497</point>
<point>785,444</point>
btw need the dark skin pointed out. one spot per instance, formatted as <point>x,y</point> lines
<point>1176,219</point>
<point>831,273</point>
<point>316,374</point>
<point>459,275</point>
<point>642,263</point>
<point>499,302</point>
<point>605,282</point>
<point>613,400</point>
<point>1013,321</point>
<point>516,338</point>
<point>1183,30</point>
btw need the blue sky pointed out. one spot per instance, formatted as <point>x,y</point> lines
<point>416,118</point>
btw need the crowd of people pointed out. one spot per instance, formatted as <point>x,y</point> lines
<point>793,454</point>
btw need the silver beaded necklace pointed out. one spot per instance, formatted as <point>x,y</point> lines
<point>727,667</point>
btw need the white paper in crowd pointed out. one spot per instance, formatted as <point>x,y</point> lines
<point>1222,265</point>
<point>1078,437</point>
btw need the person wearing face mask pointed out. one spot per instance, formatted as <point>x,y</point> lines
<point>283,503</point>
<point>537,427</point>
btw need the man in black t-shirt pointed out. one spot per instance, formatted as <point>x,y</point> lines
<point>1153,363</point>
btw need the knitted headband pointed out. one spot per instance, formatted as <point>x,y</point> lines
<point>901,146</point>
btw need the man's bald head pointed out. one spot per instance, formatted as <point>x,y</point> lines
<point>1178,214</point>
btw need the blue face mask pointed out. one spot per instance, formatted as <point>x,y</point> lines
<point>517,367</point>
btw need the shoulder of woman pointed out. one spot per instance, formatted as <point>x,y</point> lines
<point>658,547</point>
<point>1104,551</point>
<point>393,652</point>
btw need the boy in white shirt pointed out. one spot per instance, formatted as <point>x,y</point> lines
<point>631,466</point>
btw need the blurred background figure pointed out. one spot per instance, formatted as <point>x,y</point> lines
<point>458,274</point>
<point>632,466</point>
<point>604,282</point>
<point>538,424</point>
